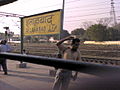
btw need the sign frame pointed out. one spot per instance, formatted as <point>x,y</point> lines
<point>61,24</point>
<point>40,26</point>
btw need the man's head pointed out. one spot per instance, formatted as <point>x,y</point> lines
<point>75,44</point>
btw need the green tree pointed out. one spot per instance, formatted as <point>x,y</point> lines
<point>64,33</point>
<point>79,32</point>
<point>117,26</point>
<point>97,32</point>
<point>112,34</point>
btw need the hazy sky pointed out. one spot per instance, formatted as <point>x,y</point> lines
<point>77,12</point>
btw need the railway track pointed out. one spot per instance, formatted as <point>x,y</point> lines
<point>102,55</point>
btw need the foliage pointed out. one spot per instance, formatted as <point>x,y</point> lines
<point>97,32</point>
<point>117,26</point>
<point>64,33</point>
<point>104,21</point>
<point>79,32</point>
<point>113,34</point>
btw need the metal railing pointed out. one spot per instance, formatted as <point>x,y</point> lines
<point>84,67</point>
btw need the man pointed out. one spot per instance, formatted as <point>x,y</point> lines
<point>63,76</point>
<point>4,48</point>
<point>0,61</point>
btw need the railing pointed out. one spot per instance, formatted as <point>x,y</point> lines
<point>91,59</point>
<point>85,67</point>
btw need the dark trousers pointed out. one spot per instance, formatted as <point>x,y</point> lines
<point>3,64</point>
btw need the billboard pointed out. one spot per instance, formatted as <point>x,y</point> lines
<point>42,24</point>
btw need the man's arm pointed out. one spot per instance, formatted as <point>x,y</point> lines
<point>65,39</point>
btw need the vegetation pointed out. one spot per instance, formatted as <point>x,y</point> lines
<point>79,32</point>
<point>98,32</point>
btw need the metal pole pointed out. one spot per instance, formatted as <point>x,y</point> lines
<point>21,37</point>
<point>62,17</point>
<point>62,23</point>
<point>63,6</point>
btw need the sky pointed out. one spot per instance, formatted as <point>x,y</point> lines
<point>76,12</point>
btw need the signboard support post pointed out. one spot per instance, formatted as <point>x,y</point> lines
<point>21,39</point>
<point>62,19</point>
<point>22,65</point>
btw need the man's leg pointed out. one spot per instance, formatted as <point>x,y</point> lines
<point>57,83</point>
<point>65,83</point>
<point>66,80</point>
<point>0,67</point>
<point>4,65</point>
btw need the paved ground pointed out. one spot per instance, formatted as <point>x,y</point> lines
<point>34,77</point>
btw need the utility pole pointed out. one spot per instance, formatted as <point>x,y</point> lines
<point>112,13</point>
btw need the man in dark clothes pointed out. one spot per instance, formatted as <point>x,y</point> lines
<point>4,48</point>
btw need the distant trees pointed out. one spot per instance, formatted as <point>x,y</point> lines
<point>104,21</point>
<point>113,34</point>
<point>98,32</point>
<point>79,32</point>
<point>64,33</point>
<point>117,26</point>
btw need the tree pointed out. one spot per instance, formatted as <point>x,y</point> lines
<point>79,32</point>
<point>113,34</point>
<point>117,26</point>
<point>64,33</point>
<point>104,21</point>
<point>87,24</point>
<point>97,32</point>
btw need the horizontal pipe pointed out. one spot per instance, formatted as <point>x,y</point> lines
<point>4,2</point>
<point>89,68</point>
